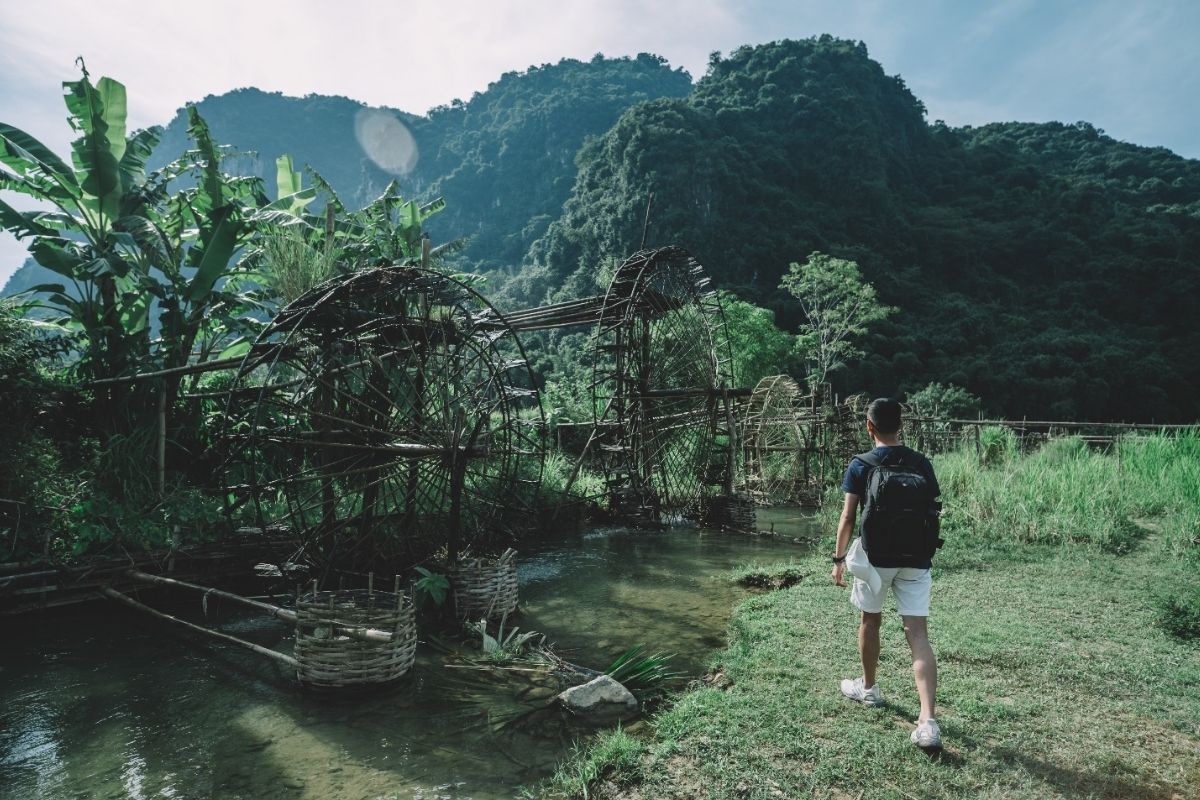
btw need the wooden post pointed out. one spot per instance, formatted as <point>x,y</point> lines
<point>646,221</point>
<point>458,470</point>
<point>162,440</point>
<point>733,439</point>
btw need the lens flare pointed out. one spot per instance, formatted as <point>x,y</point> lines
<point>386,140</point>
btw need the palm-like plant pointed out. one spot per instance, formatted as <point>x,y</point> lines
<point>125,241</point>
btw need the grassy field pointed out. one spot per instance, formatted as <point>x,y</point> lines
<point>1066,606</point>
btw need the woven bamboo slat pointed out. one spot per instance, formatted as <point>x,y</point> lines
<point>328,660</point>
<point>485,588</point>
<point>728,512</point>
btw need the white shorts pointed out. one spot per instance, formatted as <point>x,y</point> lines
<point>910,585</point>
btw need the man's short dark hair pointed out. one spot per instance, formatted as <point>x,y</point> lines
<point>884,413</point>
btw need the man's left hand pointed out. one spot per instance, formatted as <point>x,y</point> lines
<point>838,571</point>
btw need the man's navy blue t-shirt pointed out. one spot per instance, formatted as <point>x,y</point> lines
<point>855,481</point>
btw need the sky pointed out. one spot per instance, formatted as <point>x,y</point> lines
<point>1130,67</point>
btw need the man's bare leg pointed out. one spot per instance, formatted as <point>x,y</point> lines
<point>868,646</point>
<point>924,663</point>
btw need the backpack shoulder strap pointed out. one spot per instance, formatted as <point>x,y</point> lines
<point>870,458</point>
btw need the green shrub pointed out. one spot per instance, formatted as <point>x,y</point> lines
<point>997,444</point>
<point>945,401</point>
<point>35,483</point>
<point>1180,615</point>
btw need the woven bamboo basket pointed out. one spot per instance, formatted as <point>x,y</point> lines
<point>330,660</point>
<point>485,588</point>
<point>728,512</point>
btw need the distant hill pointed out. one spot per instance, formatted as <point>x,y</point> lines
<point>1046,267</point>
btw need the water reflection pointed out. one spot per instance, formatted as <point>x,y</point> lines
<point>106,704</point>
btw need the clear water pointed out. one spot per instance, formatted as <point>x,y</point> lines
<point>106,703</point>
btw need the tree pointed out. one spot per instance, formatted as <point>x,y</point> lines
<point>945,400</point>
<point>838,306</point>
<point>759,347</point>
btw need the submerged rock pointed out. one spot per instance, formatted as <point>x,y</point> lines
<point>600,700</point>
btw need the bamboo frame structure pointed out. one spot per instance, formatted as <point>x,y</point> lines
<point>396,415</point>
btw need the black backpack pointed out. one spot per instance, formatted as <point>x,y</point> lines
<point>900,512</point>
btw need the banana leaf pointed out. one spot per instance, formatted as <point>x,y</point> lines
<point>95,157</point>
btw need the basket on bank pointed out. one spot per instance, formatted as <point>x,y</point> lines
<point>353,637</point>
<point>485,588</point>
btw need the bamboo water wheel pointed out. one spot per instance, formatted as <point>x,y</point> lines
<point>661,382</point>
<point>774,449</point>
<point>379,417</point>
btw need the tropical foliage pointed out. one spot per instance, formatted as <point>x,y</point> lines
<point>149,279</point>
<point>945,400</point>
<point>127,244</point>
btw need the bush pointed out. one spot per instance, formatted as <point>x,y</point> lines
<point>34,483</point>
<point>1180,616</point>
<point>996,444</point>
<point>945,400</point>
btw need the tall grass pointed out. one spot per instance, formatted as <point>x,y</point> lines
<point>1063,493</point>
<point>1070,495</point>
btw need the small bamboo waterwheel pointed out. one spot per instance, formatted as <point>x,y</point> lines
<point>774,451</point>
<point>661,365</point>
<point>380,419</point>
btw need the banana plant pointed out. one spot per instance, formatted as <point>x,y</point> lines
<point>79,238</point>
<point>298,249</point>
<point>125,242</point>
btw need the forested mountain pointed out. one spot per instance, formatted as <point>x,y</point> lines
<point>1047,268</point>
<point>506,157</point>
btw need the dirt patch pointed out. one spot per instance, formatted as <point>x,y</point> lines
<point>771,581</point>
<point>712,680</point>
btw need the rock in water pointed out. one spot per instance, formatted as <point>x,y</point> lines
<point>600,700</point>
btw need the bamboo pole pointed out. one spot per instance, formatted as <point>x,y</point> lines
<point>162,441</point>
<point>187,369</point>
<point>282,658</point>
<point>285,614</point>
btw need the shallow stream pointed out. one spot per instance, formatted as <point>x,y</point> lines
<point>104,703</point>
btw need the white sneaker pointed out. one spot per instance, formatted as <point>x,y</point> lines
<point>855,690</point>
<point>927,735</point>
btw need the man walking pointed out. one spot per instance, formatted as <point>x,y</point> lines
<point>898,491</point>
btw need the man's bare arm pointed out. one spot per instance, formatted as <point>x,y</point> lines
<point>844,532</point>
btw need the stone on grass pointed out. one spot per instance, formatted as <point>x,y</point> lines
<point>600,700</point>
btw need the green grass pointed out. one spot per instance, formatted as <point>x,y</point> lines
<point>613,755</point>
<point>1061,676</point>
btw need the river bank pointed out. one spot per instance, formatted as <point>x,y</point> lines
<point>1060,620</point>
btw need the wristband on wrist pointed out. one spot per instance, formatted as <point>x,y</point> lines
<point>839,559</point>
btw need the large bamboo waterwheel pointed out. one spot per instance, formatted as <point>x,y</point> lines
<point>775,453</point>
<point>660,375</point>
<point>378,419</point>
